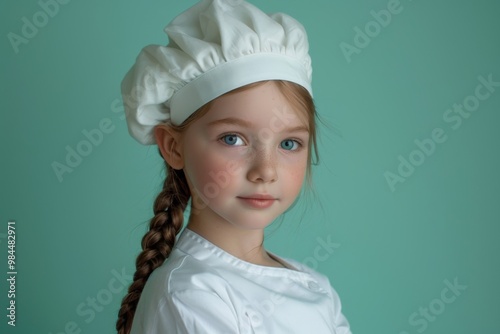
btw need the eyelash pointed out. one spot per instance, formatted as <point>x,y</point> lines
<point>298,141</point>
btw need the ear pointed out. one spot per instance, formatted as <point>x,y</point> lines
<point>168,141</point>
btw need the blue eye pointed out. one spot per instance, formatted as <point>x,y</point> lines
<point>290,145</point>
<point>231,139</point>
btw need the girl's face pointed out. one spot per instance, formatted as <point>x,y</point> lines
<point>249,143</point>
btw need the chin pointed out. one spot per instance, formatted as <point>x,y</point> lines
<point>250,221</point>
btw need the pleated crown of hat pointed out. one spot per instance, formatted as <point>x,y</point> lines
<point>214,47</point>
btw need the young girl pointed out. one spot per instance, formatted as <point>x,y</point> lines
<point>229,104</point>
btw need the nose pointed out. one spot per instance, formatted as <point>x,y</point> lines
<point>263,166</point>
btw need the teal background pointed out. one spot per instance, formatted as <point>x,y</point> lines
<point>394,249</point>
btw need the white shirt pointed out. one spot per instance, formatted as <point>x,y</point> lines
<point>203,289</point>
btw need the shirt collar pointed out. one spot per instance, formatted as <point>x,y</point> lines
<point>200,248</point>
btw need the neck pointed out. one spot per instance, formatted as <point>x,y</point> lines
<point>245,244</point>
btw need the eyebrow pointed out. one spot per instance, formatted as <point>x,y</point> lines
<point>243,123</point>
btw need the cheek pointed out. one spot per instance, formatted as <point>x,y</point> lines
<point>296,171</point>
<point>210,171</point>
<point>296,178</point>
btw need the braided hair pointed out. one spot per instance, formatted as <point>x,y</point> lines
<point>158,242</point>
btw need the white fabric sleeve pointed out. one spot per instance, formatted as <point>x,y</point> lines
<point>196,311</point>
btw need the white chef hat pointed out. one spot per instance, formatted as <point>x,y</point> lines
<point>214,47</point>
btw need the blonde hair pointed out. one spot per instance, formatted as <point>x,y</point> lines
<point>158,242</point>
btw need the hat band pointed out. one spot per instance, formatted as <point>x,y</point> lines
<point>234,74</point>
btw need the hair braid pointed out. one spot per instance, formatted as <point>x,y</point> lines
<point>158,242</point>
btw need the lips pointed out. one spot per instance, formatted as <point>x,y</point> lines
<point>258,196</point>
<point>258,201</point>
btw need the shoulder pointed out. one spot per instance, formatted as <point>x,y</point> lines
<point>321,279</point>
<point>184,294</point>
<point>342,325</point>
<point>184,272</point>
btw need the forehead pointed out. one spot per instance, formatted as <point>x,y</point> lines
<point>258,105</point>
